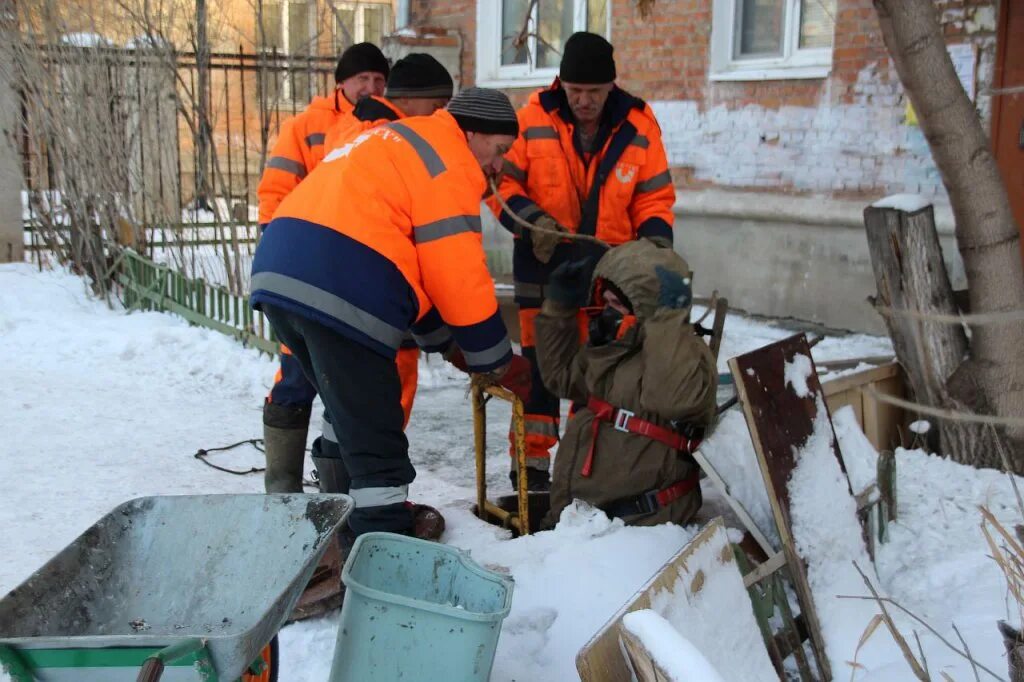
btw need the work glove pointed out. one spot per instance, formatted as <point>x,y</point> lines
<point>569,284</point>
<point>453,355</point>
<point>544,243</point>
<point>515,376</point>
<point>675,290</point>
<point>518,377</point>
<point>660,242</point>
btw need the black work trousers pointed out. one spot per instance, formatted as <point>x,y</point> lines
<point>362,395</point>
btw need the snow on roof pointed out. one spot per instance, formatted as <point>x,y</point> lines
<point>903,202</point>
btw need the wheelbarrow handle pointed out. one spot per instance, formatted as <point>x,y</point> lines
<point>153,667</point>
<point>151,670</point>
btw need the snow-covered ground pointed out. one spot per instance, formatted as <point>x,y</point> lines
<point>100,406</point>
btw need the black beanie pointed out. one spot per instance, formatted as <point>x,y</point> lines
<point>419,75</point>
<point>587,59</point>
<point>358,58</point>
<point>481,110</point>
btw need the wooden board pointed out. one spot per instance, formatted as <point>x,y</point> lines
<point>884,425</point>
<point>780,422</point>
<point>602,659</point>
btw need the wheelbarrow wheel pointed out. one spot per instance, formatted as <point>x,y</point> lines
<point>270,665</point>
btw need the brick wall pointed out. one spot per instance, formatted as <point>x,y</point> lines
<point>843,135</point>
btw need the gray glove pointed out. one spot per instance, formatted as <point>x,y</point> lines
<point>544,243</point>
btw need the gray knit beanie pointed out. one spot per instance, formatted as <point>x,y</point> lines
<point>482,110</point>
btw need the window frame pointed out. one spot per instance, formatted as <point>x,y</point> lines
<point>491,73</point>
<point>794,63</point>
<point>286,92</point>
<point>359,34</point>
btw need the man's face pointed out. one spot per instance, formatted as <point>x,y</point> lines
<point>489,150</point>
<point>421,106</point>
<point>587,101</point>
<point>361,85</point>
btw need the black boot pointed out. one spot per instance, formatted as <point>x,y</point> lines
<point>284,443</point>
<point>537,480</point>
<point>332,474</point>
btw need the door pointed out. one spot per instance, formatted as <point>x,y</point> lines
<point>1008,105</point>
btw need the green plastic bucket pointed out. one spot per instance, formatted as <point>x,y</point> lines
<point>417,610</point>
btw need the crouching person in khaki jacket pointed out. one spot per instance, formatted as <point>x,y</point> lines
<point>643,381</point>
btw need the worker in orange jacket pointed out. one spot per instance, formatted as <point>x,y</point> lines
<point>361,72</point>
<point>418,85</point>
<point>383,237</point>
<point>589,160</point>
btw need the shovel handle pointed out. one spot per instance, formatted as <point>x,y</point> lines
<point>151,671</point>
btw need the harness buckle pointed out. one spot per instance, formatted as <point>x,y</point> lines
<point>650,502</point>
<point>622,418</point>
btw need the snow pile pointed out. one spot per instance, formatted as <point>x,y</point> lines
<point>909,203</point>
<point>921,426</point>
<point>823,515</point>
<point>858,453</point>
<point>731,452</point>
<point>672,652</point>
<point>714,614</point>
<point>101,406</point>
<point>796,373</point>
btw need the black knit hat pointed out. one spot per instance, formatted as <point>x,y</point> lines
<point>358,58</point>
<point>419,75</point>
<point>587,58</point>
<point>481,110</point>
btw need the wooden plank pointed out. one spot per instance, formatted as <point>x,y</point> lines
<point>708,557</point>
<point>643,663</point>
<point>601,659</point>
<point>780,422</point>
<point>734,504</point>
<point>863,378</point>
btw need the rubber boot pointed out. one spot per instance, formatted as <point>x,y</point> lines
<point>284,439</point>
<point>537,480</point>
<point>325,591</point>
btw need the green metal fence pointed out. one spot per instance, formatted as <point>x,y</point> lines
<point>150,286</point>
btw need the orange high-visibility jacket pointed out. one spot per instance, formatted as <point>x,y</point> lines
<point>384,236</point>
<point>624,192</point>
<point>369,112</point>
<point>298,150</point>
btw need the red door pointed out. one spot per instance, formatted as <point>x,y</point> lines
<point>1008,105</point>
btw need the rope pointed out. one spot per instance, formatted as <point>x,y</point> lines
<point>202,453</point>
<point>257,443</point>
<point>543,230</point>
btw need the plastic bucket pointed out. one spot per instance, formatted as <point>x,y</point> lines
<point>417,610</point>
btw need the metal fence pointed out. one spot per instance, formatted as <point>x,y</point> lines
<point>184,141</point>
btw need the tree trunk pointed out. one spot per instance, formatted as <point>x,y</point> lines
<point>990,380</point>
<point>910,276</point>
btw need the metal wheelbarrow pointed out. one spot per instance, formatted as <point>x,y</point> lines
<point>170,588</point>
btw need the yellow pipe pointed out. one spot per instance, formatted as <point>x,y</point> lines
<point>480,444</point>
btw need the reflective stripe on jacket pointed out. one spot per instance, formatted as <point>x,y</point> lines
<point>384,235</point>
<point>624,192</point>
<point>298,150</point>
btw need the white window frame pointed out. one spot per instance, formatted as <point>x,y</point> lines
<point>794,62</point>
<point>359,36</point>
<point>286,93</point>
<point>489,71</point>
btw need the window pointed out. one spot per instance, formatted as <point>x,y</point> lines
<point>772,39</point>
<point>289,28</point>
<point>361,22</point>
<point>519,42</point>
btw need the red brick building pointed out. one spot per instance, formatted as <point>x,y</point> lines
<point>782,120</point>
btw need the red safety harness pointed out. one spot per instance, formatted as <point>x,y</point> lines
<point>627,422</point>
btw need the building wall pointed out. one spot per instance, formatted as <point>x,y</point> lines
<point>773,175</point>
<point>844,136</point>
